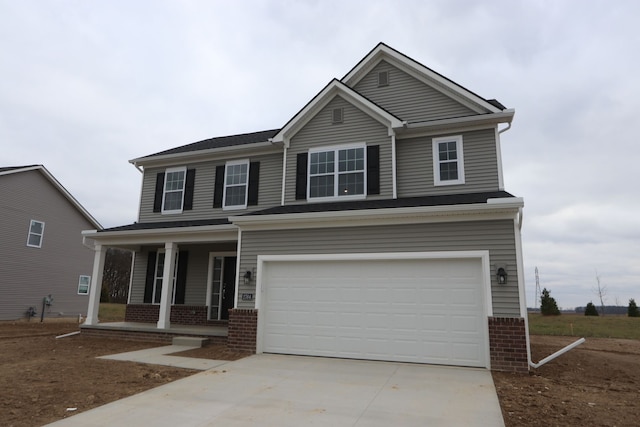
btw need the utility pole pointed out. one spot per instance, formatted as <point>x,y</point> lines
<point>538,293</point>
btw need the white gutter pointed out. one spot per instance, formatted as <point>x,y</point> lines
<point>557,353</point>
<point>505,116</point>
<point>501,206</point>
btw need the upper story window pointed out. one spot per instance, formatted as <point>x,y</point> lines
<point>174,190</point>
<point>236,180</point>
<point>337,172</point>
<point>36,232</point>
<point>448,160</point>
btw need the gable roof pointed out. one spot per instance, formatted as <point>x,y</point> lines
<point>40,168</point>
<point>423,73</point>
<point>333,88</point>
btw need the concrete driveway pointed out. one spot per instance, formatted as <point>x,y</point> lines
<point>278,390</point>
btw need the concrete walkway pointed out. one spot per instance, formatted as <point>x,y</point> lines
<point>278,390</point>
<point>158,356</point>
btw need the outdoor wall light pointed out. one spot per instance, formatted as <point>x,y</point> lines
<point>502,276</point>
<point>247,277</point>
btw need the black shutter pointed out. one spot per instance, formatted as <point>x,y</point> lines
<point>151,275</point>
<point>181,276</point>
<point>157,200</point>
<point>254,177</point>
<point>219,187</point>
<point>188,189</point>
<point>373,169</point>
<point>301,176</point>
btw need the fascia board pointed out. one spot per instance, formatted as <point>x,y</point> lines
<point>335,87</point>
<point>60,188</point>
<point>227,232</point>
<point>209,154</point>
<point>412,130</point>
<point>412,215</point>
<point>419,71</point>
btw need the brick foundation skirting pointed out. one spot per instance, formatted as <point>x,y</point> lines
<point>243,330</point>
<point>508,344</point>
<point>193,315</point>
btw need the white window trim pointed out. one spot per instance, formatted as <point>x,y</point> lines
<point>80,284</point>
<point>336,149</point>
<point>164,189</point>
<point>29,233</point>
<point>246,185</point>
<point>436,161</point>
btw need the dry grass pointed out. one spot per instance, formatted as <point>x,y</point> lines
<point>578,325</point>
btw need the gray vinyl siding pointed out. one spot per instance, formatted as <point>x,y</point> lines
<point>496,236</point>
<point>415,165</point>
<point>269,194</point>
<point>408,98</point>
<point>197,271</point>
<point>29,274</point>
<point>357,127</point>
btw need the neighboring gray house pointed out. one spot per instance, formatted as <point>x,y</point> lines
<point>41,247</point>
<point>373,225</point>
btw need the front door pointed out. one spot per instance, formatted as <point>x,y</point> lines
<point>228,286</point>
<point>221,288</point>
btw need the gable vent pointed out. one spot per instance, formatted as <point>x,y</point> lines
<point>337,115</point>
<point>383,78</point>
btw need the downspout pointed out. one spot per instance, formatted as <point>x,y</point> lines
<point>137,167</point>
<point>557,353</point>
<point>284,174</point>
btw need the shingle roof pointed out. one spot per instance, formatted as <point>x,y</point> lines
<point>219,142</point>
<point>10,168</point>
<point>453,199</point>
<point>136,226</point>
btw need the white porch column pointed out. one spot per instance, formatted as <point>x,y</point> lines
<point>167,285</point>
<point>96,285</point>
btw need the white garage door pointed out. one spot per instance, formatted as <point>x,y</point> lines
<point>407,310</point>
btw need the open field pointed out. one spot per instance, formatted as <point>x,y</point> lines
<point>41,376</point>
<point>578,325</point>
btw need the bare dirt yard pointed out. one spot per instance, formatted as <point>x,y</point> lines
<point>597,383</point>
<point>43,378</point>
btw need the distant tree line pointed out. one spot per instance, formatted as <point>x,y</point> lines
<point>591,310</point>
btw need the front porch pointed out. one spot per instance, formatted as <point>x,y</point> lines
<point>149,332</point>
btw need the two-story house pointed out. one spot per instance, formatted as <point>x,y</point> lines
<point>43,262</point>
<point>372,225</point>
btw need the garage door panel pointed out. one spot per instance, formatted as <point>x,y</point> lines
<point>427,311</point>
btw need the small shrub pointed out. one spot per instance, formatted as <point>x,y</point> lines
<point>591,310</point>
<point>632,310</point>
<point>548,305</point>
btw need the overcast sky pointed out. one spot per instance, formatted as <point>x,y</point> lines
<point>86,86</point>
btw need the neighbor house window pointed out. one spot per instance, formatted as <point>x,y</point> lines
<point>236,179</point>
<point>337,172</point>
<point>448,160</point>
<point>36,231</point>
<point>83,285</point>
<point>174,183</point>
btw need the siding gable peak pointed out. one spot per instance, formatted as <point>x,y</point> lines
<point>383,52</point>
<point>330,91</point>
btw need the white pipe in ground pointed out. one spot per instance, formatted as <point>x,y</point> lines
<point>68,335</point>
<point>557,353</point>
